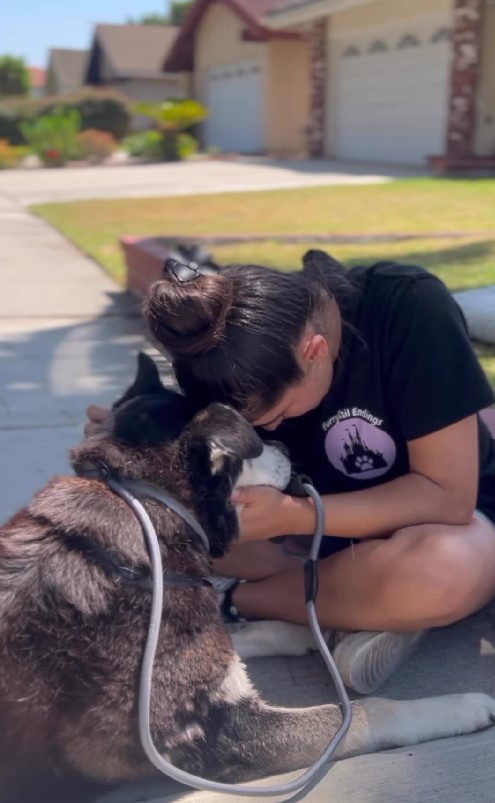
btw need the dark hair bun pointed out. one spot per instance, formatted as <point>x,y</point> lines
<point>189,318</point>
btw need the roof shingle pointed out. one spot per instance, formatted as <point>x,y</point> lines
<point>286,5</point>
<point>68,66</point>
<point>252,12</point>
<point>136,49</point>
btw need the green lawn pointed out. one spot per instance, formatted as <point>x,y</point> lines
<point>412,206</point>
<point>409,206</point>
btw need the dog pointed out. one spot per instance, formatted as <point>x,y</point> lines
<point>73,620</point>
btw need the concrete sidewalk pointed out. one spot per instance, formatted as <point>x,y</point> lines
<point>27,187</point>
<point>67,338</point>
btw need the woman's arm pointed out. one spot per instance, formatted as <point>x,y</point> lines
<point>440,487</point>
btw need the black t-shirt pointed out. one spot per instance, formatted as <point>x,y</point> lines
<point>406,369</point>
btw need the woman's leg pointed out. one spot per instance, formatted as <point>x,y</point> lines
<point>255,560</point>
<point>421,577</point>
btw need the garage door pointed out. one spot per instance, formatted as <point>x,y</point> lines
<point>391,96</point>
<point>235,105</point>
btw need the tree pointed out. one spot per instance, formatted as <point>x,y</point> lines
<point>14,77</point>
<point>150,19</point>
<point>178,10</point>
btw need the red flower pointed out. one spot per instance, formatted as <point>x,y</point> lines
<point>52,153</point>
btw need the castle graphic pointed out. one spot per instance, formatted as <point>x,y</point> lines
<point>358,457</point>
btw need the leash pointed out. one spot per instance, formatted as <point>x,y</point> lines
<point>129,491</point>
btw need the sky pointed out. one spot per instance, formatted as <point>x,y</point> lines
<point>29,28</point>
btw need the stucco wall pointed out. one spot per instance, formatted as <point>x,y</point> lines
<point>385,12</point>
<point>285,75</point>
<point>289,97</point>
<point>484,143</point>
<point>153,91</point>
<point>218,42</point>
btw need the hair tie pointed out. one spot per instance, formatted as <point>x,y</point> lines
<point>181,272</point>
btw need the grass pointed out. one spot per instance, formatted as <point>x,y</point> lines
<point>411,206</point>
<point>461,264</point>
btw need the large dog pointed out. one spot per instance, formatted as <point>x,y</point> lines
<point>73,618</point>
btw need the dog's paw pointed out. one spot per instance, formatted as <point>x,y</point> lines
<point>472,712</point>
<point>267,639</point>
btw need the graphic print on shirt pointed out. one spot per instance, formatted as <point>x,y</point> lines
<point>357,446</point>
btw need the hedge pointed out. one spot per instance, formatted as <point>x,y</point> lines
<point>101,109</point>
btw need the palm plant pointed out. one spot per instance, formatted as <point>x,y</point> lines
<point>172,118</point>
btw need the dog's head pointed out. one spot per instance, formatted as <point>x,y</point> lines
<point>198,455</point>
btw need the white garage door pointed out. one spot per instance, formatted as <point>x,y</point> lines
<point>235,106</point>
<point>391,96</point>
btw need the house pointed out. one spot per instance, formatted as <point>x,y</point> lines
<point>253,80</point>
<point>398,80</point>
<point>37,79</point>
<point>65,71</point>
<point>130,58</point>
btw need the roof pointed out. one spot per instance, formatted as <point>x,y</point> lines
<point>134,50</point>
<point>37,77</point>
<point>68,65</point>
<point>287,5</point>
<point>251,12</point>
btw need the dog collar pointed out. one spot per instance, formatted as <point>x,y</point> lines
<point>140,577</point>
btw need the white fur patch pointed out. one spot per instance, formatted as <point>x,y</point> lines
<point>404,722</point>
<point>262,639</point>
<point>236,686</point>
<point>190,733</point>
<point>272,467</point>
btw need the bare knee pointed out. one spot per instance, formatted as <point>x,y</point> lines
<point>450,571</point>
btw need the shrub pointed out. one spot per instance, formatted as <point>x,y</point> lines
<point>172,118</point>
<point>147,144</point>
<point>54,136</point>
<point>22,151</point>
<point>100,109</point>
<point>13,112</point>
<point>187,146</point>
<point>8,155</point>
<point>95,145</point>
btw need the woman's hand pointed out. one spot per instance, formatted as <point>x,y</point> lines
<point>267,513</point>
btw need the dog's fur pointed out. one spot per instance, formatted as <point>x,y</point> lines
<point>72,632</point>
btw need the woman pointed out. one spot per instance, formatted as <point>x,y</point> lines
<point>370,379</point>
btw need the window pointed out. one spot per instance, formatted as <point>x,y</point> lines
<point>409,40</point>
<point>378,46</point>
<point>350,52</point>
<point>441,35</point>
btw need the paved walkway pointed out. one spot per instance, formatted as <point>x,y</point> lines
<point>68,338</point>
<point>133,181</point>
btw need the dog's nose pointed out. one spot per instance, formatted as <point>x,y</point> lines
<point>281,447</point>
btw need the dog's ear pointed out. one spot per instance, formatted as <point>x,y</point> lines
<point>146,382</point>
<point>227,436</point>
<point>152,420</point>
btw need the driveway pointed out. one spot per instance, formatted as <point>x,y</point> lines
<point>26,187</point>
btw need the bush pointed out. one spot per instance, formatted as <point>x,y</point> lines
<point>187,146</point>
<point>13,112</point>
<point>8,155</point>
<point>95,145</point>
<point>53,137</point>
<point>172,118</point>
<point>146,144</point>
<point>99,109</point>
